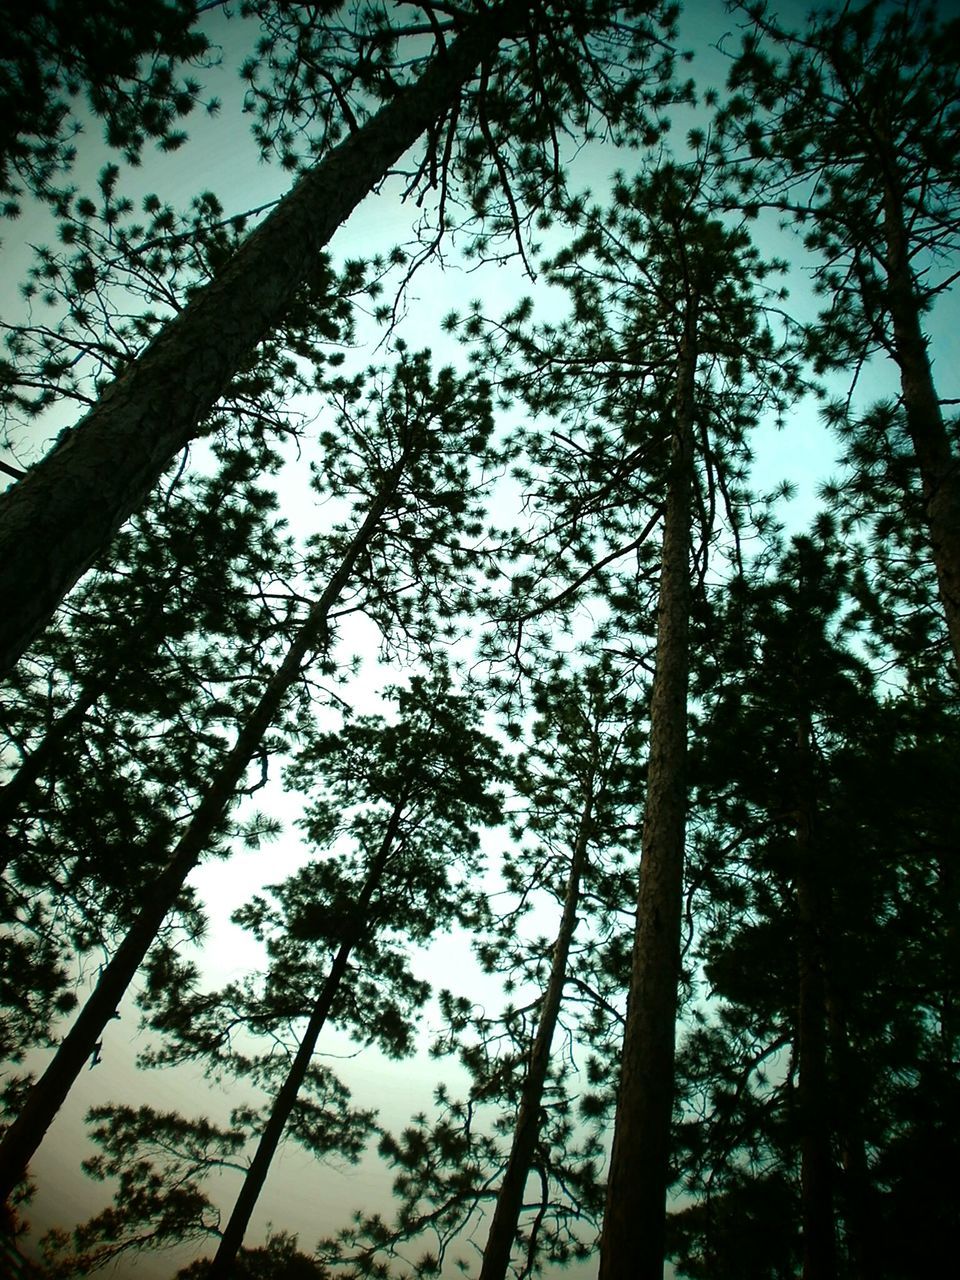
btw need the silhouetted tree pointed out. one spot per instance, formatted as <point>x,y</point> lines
<point>574,787</point>
<point>412,434</point>
<point>541,67</point>
<point>851,124</point>
<point>122,59</point>
<point>822,844</point>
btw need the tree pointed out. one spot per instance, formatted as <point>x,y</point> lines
<point>668,344</point>
<point>574,789</point>
<point>424,783</point>
<point>588,763</point>
<point>279,1259</point>
<point>72,502</point>
<point>114,721</point>
<point>408,794</point>
<point>418,432</point>
<point>665,363</point>
<point>877,499</point>
<point>820,843</point>
<point>848,129</point>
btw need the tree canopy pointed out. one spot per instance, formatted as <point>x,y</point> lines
<point>470,804</point>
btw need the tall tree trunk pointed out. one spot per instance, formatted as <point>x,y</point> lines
<point>633,1226</point>
<point>23,1137</point>
<point>939,469</point>
<point>232,1238</point>
<point>62,515</point>
<point>816,1153</point>
<point>496,1254</point>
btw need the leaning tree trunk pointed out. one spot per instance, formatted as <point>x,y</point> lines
<point>632,1244</point>
<point>221,1268</point>
<point>496,1254</point>
<point>62,515</point>
<point>939,468</point>
<point>816,1147</point>
<point>25,1134</point>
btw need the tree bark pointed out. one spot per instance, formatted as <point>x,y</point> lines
<point>25,1134</point>
<point>939,469</point>
<point>232,1237</point>
<point>496,1254</point>
<point>632,1244</point>
<point>62,515</point>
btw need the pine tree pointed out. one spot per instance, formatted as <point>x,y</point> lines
<point>124,62</point>
<point>408,793</point>
<point>663,303</point>
<point>821,844</point>
<point>424,783</point>
<point>411,433</point>
<point>590,775</point>
<point>574,789</point>
<point>850,125</point>
<point>573,62</point>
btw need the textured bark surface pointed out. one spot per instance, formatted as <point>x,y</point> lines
<point>25,1134</point>
<point>232,1238</point>
<point>939,469</point>
<point>633,1225</point>
<point>503,1228</point>
<point>62,515</point>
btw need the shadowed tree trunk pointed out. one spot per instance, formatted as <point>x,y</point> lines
<point>62,515</point>
<point>25,1134</point>
<point>496,1254</point>
<point>939,468</point>
<point>633,1226</point>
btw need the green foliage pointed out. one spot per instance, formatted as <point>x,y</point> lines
<point>848,127</point>
<point>882,829</point>
<point>123,61</point>
<point>114,721</point>
<point>159,1160</point>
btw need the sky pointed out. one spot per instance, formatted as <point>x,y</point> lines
<point>302,1196</point>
